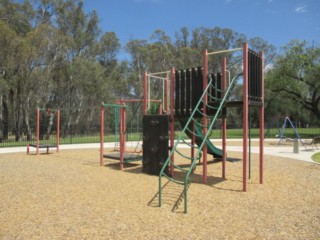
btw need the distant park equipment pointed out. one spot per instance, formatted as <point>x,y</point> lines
<point>128,118</point>
<point>285,123</point>
<point>313,143</point>
<point>120,154</point>
<point>52,113</point>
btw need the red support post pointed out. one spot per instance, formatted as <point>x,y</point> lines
<point>124,128</point>
<point>122,134</point>
<point>224,119</point>
<point>172,87</point>
<point>261,116</point>
<point>245,116</point>
<point>166,96</point>
<point>145,93</point>
<point>58,130</point>
<point>160,108</point>
<point>205,119</point>
<point>101,135</point>
<point>37,130</point>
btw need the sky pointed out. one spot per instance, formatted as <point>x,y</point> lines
<point>275,21</point>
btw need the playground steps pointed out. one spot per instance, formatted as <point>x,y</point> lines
<point>212,150</point>
<point>197,132</point>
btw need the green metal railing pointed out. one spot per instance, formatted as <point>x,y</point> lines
<point>181,139</point>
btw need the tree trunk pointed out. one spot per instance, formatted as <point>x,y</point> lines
<point>50,123</point>
<point>1,119</point>
<point>26,113</point>
<point>66,129</point>
<point>5,120</point>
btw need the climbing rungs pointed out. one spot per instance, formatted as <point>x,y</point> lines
<point>172,179</point>
<point>190,145</point>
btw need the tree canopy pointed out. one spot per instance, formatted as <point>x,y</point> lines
<point>295,75</point>
<point>54,54</point>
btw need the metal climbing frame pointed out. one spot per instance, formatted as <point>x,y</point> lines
<point>159,76</point>
<point>251,91</point>
<point>121,130</point>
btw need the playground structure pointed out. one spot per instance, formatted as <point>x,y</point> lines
<point>196,99</point>
<point>201,107</point>
<point>46,146</point>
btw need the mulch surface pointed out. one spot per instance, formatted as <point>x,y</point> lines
<point>67,195</point>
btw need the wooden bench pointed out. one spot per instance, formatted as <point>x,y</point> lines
<point>313,143</point>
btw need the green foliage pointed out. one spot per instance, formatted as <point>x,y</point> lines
<point>295,77</point>
<point>54,54</point>
<point>154,108</point>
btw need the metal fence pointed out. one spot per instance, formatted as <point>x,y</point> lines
<point>78,134</point>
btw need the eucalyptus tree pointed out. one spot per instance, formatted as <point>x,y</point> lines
<point>295,76</point>
<point>137,50</point>
<point>17,57</point>
<point>191,44</point>
<point>70,56</point>
<point>114,71</point>
<point>18,15</point>
<point>7,70</point>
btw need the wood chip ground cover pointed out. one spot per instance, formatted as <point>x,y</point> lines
<point>67,195</point>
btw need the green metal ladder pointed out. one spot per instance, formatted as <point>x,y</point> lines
<point>192,119</point>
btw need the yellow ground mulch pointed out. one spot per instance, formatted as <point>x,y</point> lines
<point>67,195</point>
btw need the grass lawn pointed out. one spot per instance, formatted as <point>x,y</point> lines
<point>316,157</point>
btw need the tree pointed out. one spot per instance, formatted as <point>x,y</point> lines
<point>7,39</point>
<point>296,76</point>
<point>17,62</point>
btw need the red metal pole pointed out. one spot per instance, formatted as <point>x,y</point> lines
<point>224,119</point>
<point>172,87</point>
<point>38,129</point>
<point>124,128</point>
<point>245,115</point>
<point>205,119</point>
<point>261,110</point>
<point>166,95</point>
<point>122,134</point>
<point>101,135</point>
<point>145,93</point>
<point>160,108</point>
<point>58,130</point>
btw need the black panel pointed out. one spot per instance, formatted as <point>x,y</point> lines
<point>177,93</point>
<point>250,77</point>
<point>183,93</point>
<point>155,143</point>
<point>219,86</point>
<point>188,92</point>
<point>198,82</point>
<point>254,76</point>
<point>195,87</point>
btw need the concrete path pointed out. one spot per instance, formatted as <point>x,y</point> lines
<point>280,151</point>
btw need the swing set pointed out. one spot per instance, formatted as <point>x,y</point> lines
<point>126,132</point>
<point>52,113</point>
<point>285,123</point>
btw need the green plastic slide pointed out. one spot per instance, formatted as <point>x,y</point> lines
<point>212,149</point>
